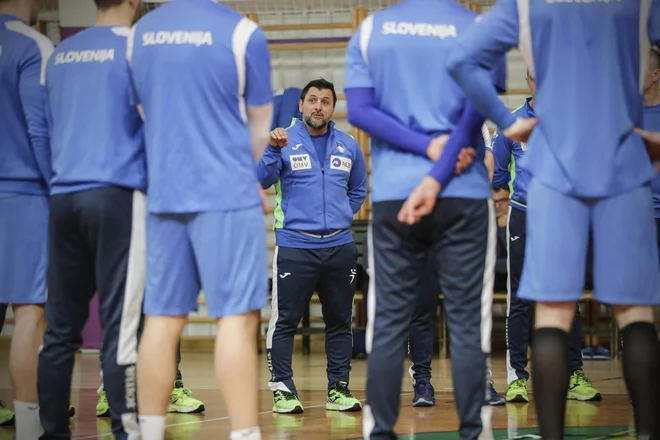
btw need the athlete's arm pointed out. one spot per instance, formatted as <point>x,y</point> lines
<point>463,135</point>
<point>259,120</point>
<point>32,90</point>
<point>270,166</point>
<point>363,114</point>
<point>654,23</point>
<point>258,92</point>
<point>357,182</point>
<point>361,107</point>
<point>502,147</point>
<point>478,51</point>
<point>466,130</point>
<point>489,161</point>
<point>132,93</point>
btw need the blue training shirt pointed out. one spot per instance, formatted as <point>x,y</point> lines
<point>316,195</point>
<point>588,60</point>
<point>320,143</point>
<point>96,133</point>
<point>508,171</point>
<point>196,65</point>
<point>24,150</point>
<point>401,52</point>
<point>652,123</point>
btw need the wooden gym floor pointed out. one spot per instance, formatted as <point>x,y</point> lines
<point>610,418</point>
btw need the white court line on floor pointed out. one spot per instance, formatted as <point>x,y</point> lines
<point>217,419</point>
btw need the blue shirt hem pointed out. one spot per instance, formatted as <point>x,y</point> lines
<point>294,239</point>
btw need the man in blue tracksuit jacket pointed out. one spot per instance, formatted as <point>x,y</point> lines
<point>321,182</point>
<point>510,175</point>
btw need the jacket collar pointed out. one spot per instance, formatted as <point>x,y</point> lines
<point>300,124</point>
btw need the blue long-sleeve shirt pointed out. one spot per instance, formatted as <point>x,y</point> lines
<point>96,134</point>
<point>316,197</point>
<point>400,53</point>
<point>588,60</point>
<point>509,170</point>
<point>652,123</point>
<point>24,144</point>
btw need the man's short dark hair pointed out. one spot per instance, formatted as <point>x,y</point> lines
<point>320,84</point>
<point>104,5</point>
<point>654,60</point>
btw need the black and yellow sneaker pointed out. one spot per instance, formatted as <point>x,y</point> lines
<point>6,415</point>
<point>341,399</point>
<point>285,402</point>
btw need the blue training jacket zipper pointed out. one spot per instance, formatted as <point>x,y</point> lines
<point>322,162</point>
<point>325,221</point>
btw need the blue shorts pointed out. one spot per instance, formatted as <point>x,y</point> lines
<point>23,248</point>
<point>625,251</point>
<point>224,253</point>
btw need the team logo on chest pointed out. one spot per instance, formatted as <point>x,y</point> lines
<point>341,147</point>
<point>300,162</point>
<point>341,163</point>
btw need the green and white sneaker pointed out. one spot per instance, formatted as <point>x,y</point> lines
<point>517,391</point>
<point>102,405</point>
<point>182,400</point>
<point>6,415</point>
<point>341,399</point>
<point>580,388</point>
<point>285,402</point>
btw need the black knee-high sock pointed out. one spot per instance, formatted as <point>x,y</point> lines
<point>641,370</point>
<point>3,315</point>
<point>550,374</point>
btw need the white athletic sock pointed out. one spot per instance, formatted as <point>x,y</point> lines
<point>28,426</point>
<point>152,427</point>
<point>246,434</point>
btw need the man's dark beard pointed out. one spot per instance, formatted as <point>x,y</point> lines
<point>314,125</point>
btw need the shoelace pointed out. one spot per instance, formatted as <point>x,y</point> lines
<point>343,390</point>
<point>581,378</point>
<point>178,385</point>
<point>187,392</point>
<point>285,395</point>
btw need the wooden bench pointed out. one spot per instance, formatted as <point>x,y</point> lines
<point>590,329</point>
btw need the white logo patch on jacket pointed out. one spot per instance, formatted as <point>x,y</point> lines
<point>341,163</point>
<point>300,162</point>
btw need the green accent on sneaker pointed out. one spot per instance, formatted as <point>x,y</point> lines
<point>341,399</point>
<point>102,406</point>
<point>182,401</point>
<point>580,388</point>
<point>517,391</point>
<point>285,402</point>
<point>6,415</point>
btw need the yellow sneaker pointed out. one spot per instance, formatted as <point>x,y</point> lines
<point>182,401</point>
<point>102,405</point>
<point>6,416</point>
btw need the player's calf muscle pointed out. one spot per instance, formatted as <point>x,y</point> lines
<point>626,315</point>
<point>28,336</point>
<point>236,368</point>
